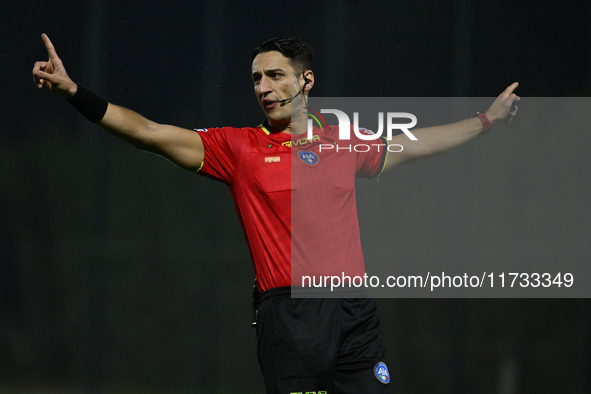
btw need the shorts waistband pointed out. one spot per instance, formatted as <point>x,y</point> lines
<point>301,292</point>
<point>276,292</point>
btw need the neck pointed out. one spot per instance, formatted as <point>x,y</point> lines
<point>297,124</point>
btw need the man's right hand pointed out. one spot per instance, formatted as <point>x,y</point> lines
<point>181,146</point>
<point>51,75</point>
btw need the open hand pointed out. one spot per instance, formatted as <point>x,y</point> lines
<point>51,75</point>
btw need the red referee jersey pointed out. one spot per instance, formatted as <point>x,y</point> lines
<point>295,197</point>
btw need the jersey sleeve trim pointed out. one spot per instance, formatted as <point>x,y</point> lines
<point>384,156</point>
<point>200,167</point>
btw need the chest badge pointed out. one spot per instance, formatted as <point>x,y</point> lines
<point>272,159</point>
<point>308,157</point>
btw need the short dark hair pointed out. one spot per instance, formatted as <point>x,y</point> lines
<point>293,48</point>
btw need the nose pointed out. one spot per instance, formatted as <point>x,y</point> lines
<point>263,86</point>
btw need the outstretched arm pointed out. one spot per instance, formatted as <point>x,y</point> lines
<point>438,139</point>
<point>181,146</point>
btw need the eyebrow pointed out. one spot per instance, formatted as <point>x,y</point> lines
<point>272,70</point>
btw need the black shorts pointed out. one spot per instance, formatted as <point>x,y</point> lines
<point>320,345</point>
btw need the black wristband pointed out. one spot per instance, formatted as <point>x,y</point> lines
<point>89,104</point>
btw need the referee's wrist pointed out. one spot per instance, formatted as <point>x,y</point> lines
<point>72,90</point>
<point>89,104</point>
<point>484,121</point>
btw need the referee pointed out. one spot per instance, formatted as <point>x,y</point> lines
<point>305,345</point>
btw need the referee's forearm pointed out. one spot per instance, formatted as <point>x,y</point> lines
<point>433,141</point>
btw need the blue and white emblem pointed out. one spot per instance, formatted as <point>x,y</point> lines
<point>381,372</point>
<point>308,157</point>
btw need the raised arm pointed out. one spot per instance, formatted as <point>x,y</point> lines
<point>438,139</point>
<point>181,146</point>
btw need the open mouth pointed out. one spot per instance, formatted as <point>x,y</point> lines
<point>269,104</point>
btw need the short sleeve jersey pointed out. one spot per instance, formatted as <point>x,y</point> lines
<point>295,197</point>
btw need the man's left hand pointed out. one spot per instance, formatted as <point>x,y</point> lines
<point>504,108</point>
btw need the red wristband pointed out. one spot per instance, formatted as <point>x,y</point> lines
<point>485,122</point>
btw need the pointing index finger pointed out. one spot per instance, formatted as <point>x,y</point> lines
<point>511,88</point>
<point>49,46</point>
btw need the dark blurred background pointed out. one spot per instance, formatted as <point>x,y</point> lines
<point>120,273</point>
